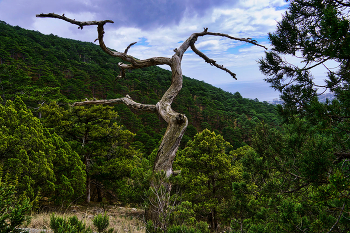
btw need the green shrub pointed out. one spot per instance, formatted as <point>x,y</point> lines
<point>101,222</point>
<point>182,229</point>
<point>151,228</point>
<point>70,225</point>
<point>200,227</point>
<point>13,210</point>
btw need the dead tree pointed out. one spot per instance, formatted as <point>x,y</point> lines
<point>177,122</point>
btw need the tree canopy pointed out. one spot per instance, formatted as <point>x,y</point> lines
<point>315,31</point>
<point>41,162</point>
<point>312,150</point>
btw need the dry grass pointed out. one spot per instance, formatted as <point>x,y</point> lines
<point>120,218</point>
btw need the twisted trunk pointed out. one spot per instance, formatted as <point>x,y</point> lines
<point>177,122</point>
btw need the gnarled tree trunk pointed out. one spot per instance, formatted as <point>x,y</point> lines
<point>177,122</point>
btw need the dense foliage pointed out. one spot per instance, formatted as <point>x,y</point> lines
<point>42,163</point>
<point>103,145</point>
<point>69,225</point>
<point>13,209</point>
<point>308,160</point>
<point>206,175</point>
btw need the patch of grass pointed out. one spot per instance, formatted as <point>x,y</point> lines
<point>120,218</point>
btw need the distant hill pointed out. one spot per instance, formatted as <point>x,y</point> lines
<point>41,68</point>
<point>330,96</point>
<point>275,101</point>
<point>322,98</point>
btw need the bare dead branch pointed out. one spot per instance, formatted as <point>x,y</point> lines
<point>100,28</point>
<point>193,38</point>
<point>73,21</point>
<point>248,40</point>
<point>211,61</point>
<point>296,176</point>
<point>134,62</point>
<point>155,60</point>
<point>127,48</point>
<point>341,157</point>
<point>341,213</point>
<point>122,72</point>
<point>126,100</point>
<point>297,189</point>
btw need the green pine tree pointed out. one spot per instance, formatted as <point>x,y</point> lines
<point>206,175</point>
<point>103,146</point>
<point>40,161</point>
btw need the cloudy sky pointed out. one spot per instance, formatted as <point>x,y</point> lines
<point>159,26</point>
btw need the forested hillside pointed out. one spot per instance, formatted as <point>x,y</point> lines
<point>43,68</point>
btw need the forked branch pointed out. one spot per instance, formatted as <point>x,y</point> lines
<point>155,60</point>
<point>193,38</point>
<point>100,28</point>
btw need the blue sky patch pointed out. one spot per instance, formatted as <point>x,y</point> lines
<point>142,41</point>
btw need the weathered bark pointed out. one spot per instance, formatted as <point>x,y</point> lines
<point>87,168</point>
<point>88,180</point>
<point>126,100</point>
<point>99,193</point>
<point>88,188</point>
<point>177,122</point>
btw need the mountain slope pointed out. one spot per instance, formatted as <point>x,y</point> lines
<point>41,68</point>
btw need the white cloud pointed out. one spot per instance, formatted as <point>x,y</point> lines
<point>247,22</point>
<point>261,3</point>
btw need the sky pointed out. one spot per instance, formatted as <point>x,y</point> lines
<point>160,26</point>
